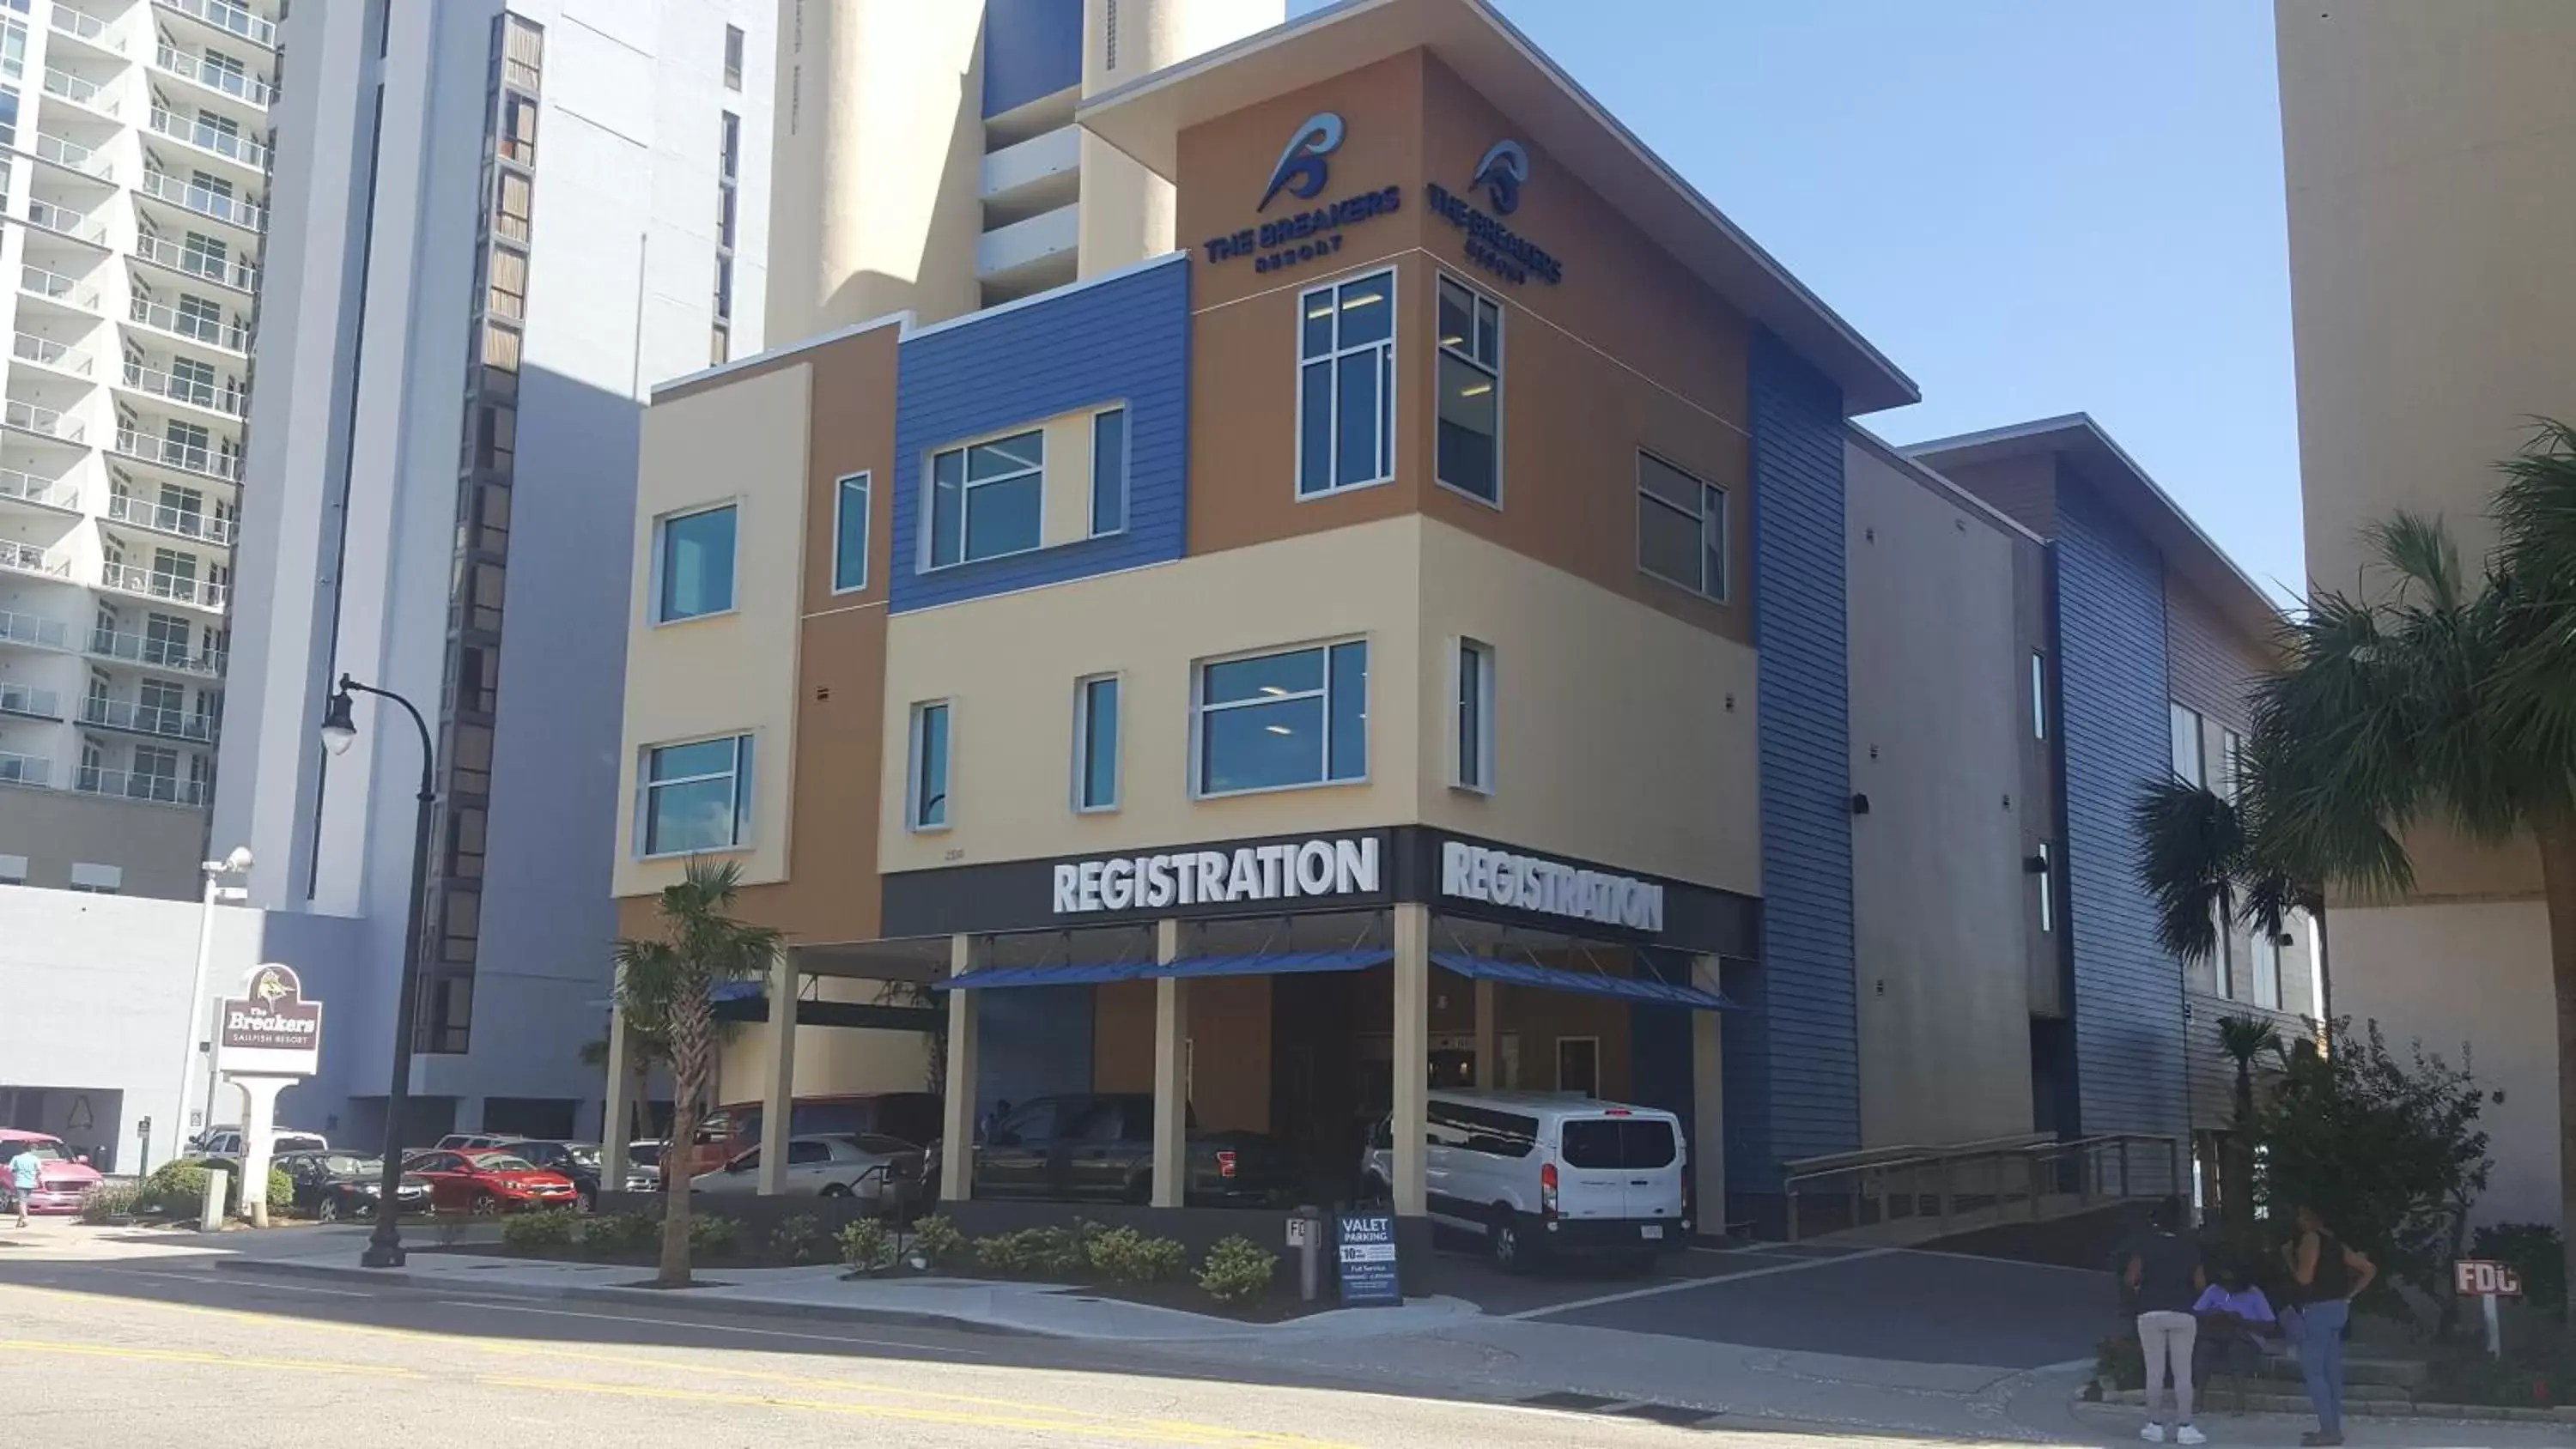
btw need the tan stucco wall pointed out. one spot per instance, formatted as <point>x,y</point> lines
<point>1941,911</point>
<point>830,1060</point>
<point>729,673</point>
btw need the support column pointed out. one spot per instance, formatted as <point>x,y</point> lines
<point>613,1131</point>
<point>259,1132</point>
<point>1489,1039</point>
<point>1171,1069</point>
<point>1708,1107</point>
<point>778,1083</point>
<point>957,1139</point>
<point>1412,1066</point>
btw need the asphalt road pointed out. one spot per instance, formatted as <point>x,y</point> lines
<point>102,1350</point>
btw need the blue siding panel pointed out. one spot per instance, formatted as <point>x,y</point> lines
<point>1123,339</point>
<point>1809,1098</point>
<point>1032,49</point>
<point>2111,653</point>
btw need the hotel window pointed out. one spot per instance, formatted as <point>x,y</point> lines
<point>850,535</point>
<point>1475,716</point>
<point>2267,971</point>
<point>733,58</point>
<point>2231,763</point>
<point>2190,759</point>
<point>1471,380</point>
<point>515,198</point>
<point>1108,471</point>
<point>2038,695</point>
<point>986,500</point>
<point>1681,528</point>
<point>1346,385</point>
<point>97,880</point>
<point>13,870</point>
<point>13,49</point>
<point>1279,721</point>
<point>693,564</point>
<point>508,292</point>
<point>1095,737</point>
<point>2047,873</point>
<point>926,788</point>
<point>696,797</point>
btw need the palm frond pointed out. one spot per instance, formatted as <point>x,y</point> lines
<point>2243,1038</point>
<point>2190,847</point>
<point>2418,549</point>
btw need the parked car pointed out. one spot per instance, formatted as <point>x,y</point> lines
<point>882,1170</point>
<point>1099,1147</point>
<point>1541,1173</point>
<point>578,1161</point>
<point>488,1180</point>
<point>644,1165</point>
<point>62,1184</point>
<point>734,1128</point>
<point>335,1185</point>
<point>227,1142</point>
<point>457,1141</point>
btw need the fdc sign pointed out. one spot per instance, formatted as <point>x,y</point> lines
<point>2474,1278</point>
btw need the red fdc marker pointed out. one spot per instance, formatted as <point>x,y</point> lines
<point>2478,1278</point>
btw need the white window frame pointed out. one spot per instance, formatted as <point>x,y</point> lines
<point>1082,743</point>
<point>745,773</point>
<point>2175,713</point>
<point>2047,889</point>
<point>1126,471</point>
<point>1480,300</point>
<point>661,557</point>
<point>1479,780</point>
<point>866,481</point>
<point>1725,528</point>
<point>1389,417</point>
<point>1199,708</point>
<point>966,486</point>
<point>2039,694</point>
<point>913,803</point>
<point>2266,968</point>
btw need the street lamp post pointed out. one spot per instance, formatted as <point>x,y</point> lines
<point>236,863</point>
<point>384,1246</point>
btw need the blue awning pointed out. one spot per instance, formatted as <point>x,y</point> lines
<point>1590,983</point>
<point>1275,964</point>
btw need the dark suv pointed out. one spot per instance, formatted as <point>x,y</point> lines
<point>1099,1147</point>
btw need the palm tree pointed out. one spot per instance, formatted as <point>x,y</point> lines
<point>672,980</point>
<point>2244,1038</point>
<point>643,1049</point>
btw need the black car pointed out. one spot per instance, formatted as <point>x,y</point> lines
<point>576,1160</point>
<point>331,1186</point>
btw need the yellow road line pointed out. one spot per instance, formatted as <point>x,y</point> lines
<point>213,1360</point>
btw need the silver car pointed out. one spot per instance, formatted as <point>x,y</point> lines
<point>864,1165</point>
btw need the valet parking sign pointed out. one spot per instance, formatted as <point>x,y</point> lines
<point>271,1030</point>
<point>1367,1250</point>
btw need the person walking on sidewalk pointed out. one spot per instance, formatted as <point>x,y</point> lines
<point>2166,1277</point>
<point>22,1178</point>
<point>2327,1274</point>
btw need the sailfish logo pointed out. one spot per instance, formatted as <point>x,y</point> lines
<point>1301,171</point>
<point>271,989</point>
<point>1503,172</point>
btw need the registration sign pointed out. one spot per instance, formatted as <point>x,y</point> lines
<point>1367,1251</point>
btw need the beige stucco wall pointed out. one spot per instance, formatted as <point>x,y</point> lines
<point>728,673</point>
<point>1127,211</point>
<point>1941,908</point>
<point>830,1060</point>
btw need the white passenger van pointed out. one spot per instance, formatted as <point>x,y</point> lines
<point>1542,1173</point>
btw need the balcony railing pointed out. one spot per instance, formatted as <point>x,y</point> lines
<point>81,25</point>
<point>33,629</point>
<point>186,457</point>
<point>46,352</point>
<point>25,769</point>
<point>32,489</point>
<point>231,19</point>
<point>220,270</point>
<point>203,200</point>
<point>77,91</point>
<point>128,578</point>
<point>155,653</point>
<point>180,522</point>
<point>166,789</point>
<point>74,156</point>
<point>206,73</point>
<point>54,286</point>
<point>57,218</point>
<point>211,330</point>
<point>209,138</point>
<point>225,400</point>
<point>27,699</point>
<point>148,719</point>
<point>26,558</point>
<point>33,419</point>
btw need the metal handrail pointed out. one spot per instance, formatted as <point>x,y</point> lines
<point>204,201</point>
<point>2000,1156</point>
<point>16,769</point>
<point>187,65</point>
<point>230,19</point>
<point>239,275</point>
<point>81,25</point>
<point>34,629</point>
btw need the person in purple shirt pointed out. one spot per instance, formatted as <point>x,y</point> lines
<point>2235,1318</point>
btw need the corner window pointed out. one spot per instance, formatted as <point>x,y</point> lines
<point>1279,721</point>
<point>1108,471</point>
<point>1475,716</point>
<point>850,535</point>
<point>696,797</point>
<point>1471,381</point>
<point>693,564</point>
<point>1681,528</point>
<point>926,795</point>
<point>1346,385</point>
<point>2047,889</point>
<point>2038,695</point>
<point>2190,761</point>
<point>1095,743</point>
<point>986,500</point>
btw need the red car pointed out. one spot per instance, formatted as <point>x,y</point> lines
<point>61,1185</point>
<point>488,1180</point>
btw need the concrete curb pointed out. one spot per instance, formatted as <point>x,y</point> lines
<point>2365,1409</point>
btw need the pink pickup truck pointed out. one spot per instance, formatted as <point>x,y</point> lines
<point>61,1184</point>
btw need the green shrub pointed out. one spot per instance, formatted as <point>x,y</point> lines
<point>1237,1269</point>
<point>615,1235</point>
<point>175,1189</point>
<point>1008,1255</point>
<point>1064,1252</point>
<point>549,1228</point>
<point>281,1192</point>
<point>866,1245</point>
<point>713,1235</point>
<point>1124,1255</point>
<point>797,1240</point>
<point>937,1242</point>
<point>2536,1252</point>
<point>110,1202</point>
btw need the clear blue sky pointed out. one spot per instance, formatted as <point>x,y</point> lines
<point>2034,207</point>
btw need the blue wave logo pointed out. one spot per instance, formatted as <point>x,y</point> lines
<point>1503,172</point>
<point>1301,171</point>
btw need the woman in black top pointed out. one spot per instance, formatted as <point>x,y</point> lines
<point>2326,1274</point>
<point>2165,1273</point>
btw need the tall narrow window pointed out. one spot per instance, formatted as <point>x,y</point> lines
<point>1475,716</point>
<point>1108,471</point>
<point>850,535</point>
<point>1276,721</point>
<point>2267,971</point>
<point>2190,760</point>
<point>1346,385</point>
<point>733,58</point>
<point>1471,380</point>
<point>926,805</point>
<point>1681,527</point>
<point>2047,889</point>
<point>987,499</point>
<point>2231,763</point>
<point>2038,695</point>
<point>694,565</point>
<point>1095,735</point>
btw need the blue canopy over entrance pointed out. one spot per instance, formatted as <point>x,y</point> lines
<point>1589,983</point>
<point>1272,964</point>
